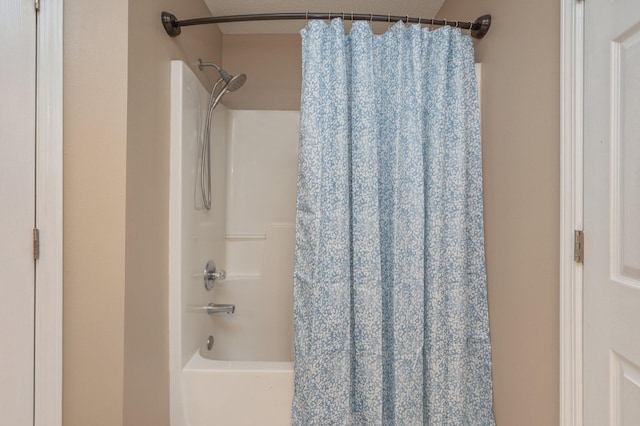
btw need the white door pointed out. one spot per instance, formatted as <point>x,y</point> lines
<point>612,213</point>
<point>17,206</point>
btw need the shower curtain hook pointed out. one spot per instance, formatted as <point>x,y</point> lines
<point>306,15</point>
<point>343,16</point>
<point>329,16</point>
<point>445,22</point>
<point>370,17</point>
<point>352,16</point>
<point>431,25</point>
<point>419,20</point>
<point>470,27</point>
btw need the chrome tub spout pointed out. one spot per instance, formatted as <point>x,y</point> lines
<point>215,308</point>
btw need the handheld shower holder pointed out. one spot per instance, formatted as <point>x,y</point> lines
<point>231,84</point>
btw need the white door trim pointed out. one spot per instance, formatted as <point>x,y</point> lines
<point>48,303</point>
<point>571,209</point>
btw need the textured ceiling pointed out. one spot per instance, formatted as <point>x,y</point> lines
<point>415,8</point>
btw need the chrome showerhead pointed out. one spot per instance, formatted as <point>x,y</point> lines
<point>231,82</point>
<point>232,85</point>
<point>235,82</point>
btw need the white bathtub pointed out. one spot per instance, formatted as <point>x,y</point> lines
<point>242,393</point>
<point>246,378</point>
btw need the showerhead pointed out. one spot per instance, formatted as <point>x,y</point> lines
<point>232,85</point>
<point>231,82</point>
<point>235,83</point>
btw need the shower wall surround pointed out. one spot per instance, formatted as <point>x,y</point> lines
<point>261,195</point>
<point>249,232</point>
<point>263,166</point>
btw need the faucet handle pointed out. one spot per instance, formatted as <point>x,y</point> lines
<point>211,274</point>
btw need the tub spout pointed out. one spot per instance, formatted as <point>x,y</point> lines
<point>215,308</point>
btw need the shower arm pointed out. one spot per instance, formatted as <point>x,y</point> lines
<point>225,75</point>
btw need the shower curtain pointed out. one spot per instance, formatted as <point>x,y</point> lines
<point>391,323</point>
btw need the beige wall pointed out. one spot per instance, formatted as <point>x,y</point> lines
<point>273,65</point>
<point>521,149</point>
<point>146,339</point>
<point>95,154</point>
<point>116,146</point>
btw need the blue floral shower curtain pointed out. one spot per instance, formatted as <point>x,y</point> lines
<point>391,322</point>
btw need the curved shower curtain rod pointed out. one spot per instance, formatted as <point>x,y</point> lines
<point>172,25</point>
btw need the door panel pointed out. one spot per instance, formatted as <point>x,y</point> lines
<point>612,213</point>
<point>17,204</point>
<point>626,155</point>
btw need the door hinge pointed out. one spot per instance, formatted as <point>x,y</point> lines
<point>36,5</point>
<point>578,246</point>
<point>36,243</point>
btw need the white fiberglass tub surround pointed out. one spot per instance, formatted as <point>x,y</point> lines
<point>246,378</point>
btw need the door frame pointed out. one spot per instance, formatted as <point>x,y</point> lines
<point>49,203</point>
<point>571,209</point>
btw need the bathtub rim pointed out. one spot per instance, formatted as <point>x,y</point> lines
<point>198,363</point>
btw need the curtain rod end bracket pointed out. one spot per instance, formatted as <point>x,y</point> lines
<point>481,27</point>
<point>170,24</point>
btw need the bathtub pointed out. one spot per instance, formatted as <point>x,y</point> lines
<point>242,380</point>
<point>246,376</point>
<point>237,392</point>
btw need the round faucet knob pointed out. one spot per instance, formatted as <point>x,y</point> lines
<point>211,274</point>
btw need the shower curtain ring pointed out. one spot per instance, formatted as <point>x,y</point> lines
<point>343,16</point>
<point>419,20</point>
<point>329,16</point>
<point>445,22</point>
<point>306,15</point>
<point>470,27</point>
<point>370,17</point>
<point>407,22</point>
<point>352,15</point>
